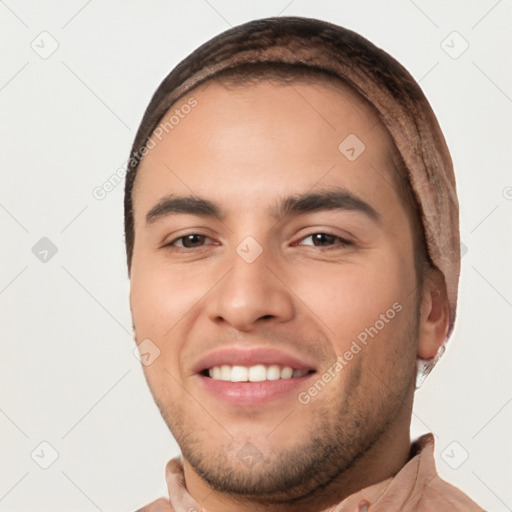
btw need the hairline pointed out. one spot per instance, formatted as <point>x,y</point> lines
<point>247,75</point>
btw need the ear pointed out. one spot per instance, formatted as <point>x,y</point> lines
<point>435,314</point>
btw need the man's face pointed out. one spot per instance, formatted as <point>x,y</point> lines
<point>321,285</point>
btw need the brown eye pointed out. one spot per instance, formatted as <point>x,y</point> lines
<point>323,240</point>
<point>190,241</point>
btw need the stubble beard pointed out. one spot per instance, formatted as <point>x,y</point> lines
<point>299,474</point>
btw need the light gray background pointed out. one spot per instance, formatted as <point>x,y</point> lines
<point>68,374</point>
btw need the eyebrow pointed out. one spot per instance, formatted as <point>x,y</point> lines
<point>172,204</point>
<point>331,199</point>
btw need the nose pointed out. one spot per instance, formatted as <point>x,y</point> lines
<point>250,294</point>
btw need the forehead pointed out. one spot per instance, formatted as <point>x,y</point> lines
<point>267,137</point>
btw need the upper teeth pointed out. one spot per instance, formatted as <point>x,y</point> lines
<point>255,373</point>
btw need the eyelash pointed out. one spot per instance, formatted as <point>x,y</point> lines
<point>171,244</point>
<point>342,242</point>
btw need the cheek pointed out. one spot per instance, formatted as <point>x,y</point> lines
<point>349,294</point>
<point>365,300</point>
<point>166,303</point>
<point>368,314</point>
<point>160,297</point>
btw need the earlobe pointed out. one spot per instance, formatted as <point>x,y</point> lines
<point>434,320</point>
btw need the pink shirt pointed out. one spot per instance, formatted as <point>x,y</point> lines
<point>415,488</point>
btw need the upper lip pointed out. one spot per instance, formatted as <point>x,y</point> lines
<point>251,356</point>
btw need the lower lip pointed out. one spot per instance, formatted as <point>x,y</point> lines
<point>252,393</point>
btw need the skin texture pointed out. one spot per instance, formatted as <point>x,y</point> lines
<point>247,148</point>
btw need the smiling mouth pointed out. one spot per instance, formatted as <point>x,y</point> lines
<point>256,373</point>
